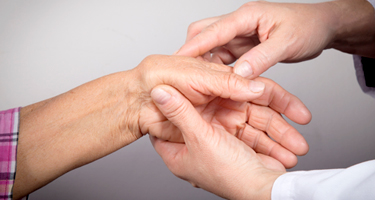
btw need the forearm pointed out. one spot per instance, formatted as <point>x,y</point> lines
<point>355,33</point>
<point>73,129</point>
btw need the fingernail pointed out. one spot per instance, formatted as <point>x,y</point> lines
<point>256,86</point>
<point>160,96</point>
<point>244,69</point>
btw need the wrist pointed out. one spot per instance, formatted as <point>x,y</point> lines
<point>265,184</point>
<point>255,184</point>
<point>75,128</point>
<point>355,27</point>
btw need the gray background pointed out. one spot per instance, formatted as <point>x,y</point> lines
<point>50,47</point>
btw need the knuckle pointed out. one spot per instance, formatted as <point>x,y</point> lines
<point>260,62</point>
<point>234,83</point>
<point>193,28</point>
<point>150,60</point>
<point>178,112</point>
<point>215,30</point>
<point>250,4</point>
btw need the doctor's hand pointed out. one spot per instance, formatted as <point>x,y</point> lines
<point>252,122</point>
<point>261,34</point>
<point>212,158</point>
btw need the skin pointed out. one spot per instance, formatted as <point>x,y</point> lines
<point>212,158</point>
<point>95,119</point>
<point>260,34</point>
<point>257,36</point>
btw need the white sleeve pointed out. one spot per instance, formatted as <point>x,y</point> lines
<point>356,182</point>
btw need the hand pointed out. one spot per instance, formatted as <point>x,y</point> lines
<point>252,122</point>
<point>102,116</point>
<point>261,34</point>
<point>211,157</point>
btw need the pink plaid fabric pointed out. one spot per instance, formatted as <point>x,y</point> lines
<point>8,150</point>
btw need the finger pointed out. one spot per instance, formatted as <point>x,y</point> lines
<point>207,56</point>
<point>234,49</point>
<point>226,85</point>
<point>271,163</point>
<point>209,80</point>
<point>163,131</point>
<point>221,55</point>
<point>196,27</point>
<point>217,34</point>
<point>260,58</point>
<point>261,143</point>
<point>271,122</point>
<point>180,112</point>
<point>155,124</point>
<point>240,45</point>
<point>199,81</point>
<point>283,102</point>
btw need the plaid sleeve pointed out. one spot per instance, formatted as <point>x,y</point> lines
<point>8,151</point>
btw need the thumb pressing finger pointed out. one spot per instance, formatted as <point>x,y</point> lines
<point>260,58</point>
<point>178,110</point>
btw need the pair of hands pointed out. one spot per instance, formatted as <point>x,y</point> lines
<point>104,115</point>
<point>226,147</point>
<point>257,36</point>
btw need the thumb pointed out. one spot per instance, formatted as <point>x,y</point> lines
<point>260,58</point>
<point>178,110</point>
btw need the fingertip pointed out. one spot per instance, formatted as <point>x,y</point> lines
<point>271,163</point>
<point>257,86</point>
<point>303,148</point>
<point>291,161</point>
<point>296,143</point>
<point>160,96</point>
<point>298,112</point>
<point>243,69</point>
<point>261,57</point>
<point>286,157</point>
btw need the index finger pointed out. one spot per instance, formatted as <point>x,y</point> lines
<point>196,27</point>
<point>217,34</point>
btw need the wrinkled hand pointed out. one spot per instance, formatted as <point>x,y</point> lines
<point>104,115</point>
<point>261,34</point>
<point>252,122</point>
<point>212,158</point>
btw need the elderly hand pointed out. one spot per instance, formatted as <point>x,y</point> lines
<point>212,158</point>
<point>261,34</point>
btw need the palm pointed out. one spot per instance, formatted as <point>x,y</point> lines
<point>212,157</point>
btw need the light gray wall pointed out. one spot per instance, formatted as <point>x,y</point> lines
<point>49,47</point>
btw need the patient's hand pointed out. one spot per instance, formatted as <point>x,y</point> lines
<point>252,122</point>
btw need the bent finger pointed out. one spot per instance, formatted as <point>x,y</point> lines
<point>196,27</point>
<point>217,34</point>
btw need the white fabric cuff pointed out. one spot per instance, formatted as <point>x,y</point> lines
<point>356,182</point>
